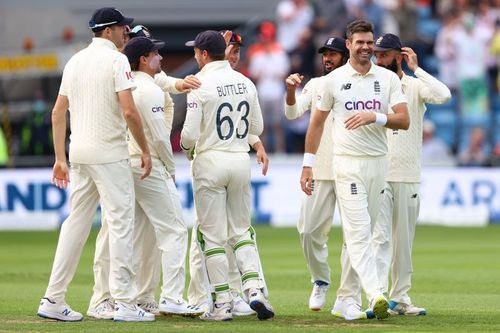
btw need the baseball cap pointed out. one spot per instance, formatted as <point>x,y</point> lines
<point>106,17</point>
<point>334,44</point>
<point>139,31</point>
<point>210,41</point>
<point>140,46</point>
<point>388,42</point>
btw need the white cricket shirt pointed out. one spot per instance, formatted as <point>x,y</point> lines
<point>345,91</point>
<point>222,112</point>
<point>405,147</point>
<point>91,80</point>
<point>323,168</point>
<point>150,102</point>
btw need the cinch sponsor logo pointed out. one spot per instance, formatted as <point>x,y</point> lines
<point>192,105</point>
<point>129,75</point>
<point>363,105</point>
<point>157,109</point>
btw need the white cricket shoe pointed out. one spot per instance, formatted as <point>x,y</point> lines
<point>240,307</point>
<point>105,310</point>
<point>131,312</point>
<point>179,307</point>
<point>221,312</point>
<point>348,309</point>
<point>150,306</point>
<point>380,307</point>
<point>317,300</point>
<point>260,304</point>
<point>57,311</point>
<point>396,308</point>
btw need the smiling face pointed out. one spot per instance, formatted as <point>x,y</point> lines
<point>361,47</point>
<point>331,60</point>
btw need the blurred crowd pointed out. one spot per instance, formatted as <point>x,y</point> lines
<point>457,40</point>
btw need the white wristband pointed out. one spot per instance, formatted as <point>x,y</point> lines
<point>380,118</point>
<point>309,160</point>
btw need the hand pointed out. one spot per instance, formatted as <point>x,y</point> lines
<point>190,82</point>
<point>60,174</point>
<point>410,57</point>
<point>228,50</point>
<point>227,36</point>
<point>262,159</point>
<point>359,119</point>
<point>146,164</point>
<point>307,181</point>
<point>294,80</point>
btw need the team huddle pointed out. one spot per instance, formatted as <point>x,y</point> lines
<point>362,153</point>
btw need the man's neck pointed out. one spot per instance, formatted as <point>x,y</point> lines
<point>360,68</point>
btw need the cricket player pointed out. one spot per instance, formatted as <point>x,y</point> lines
<point>147,255</point>
<point>197,292</point>
<point>395,228</point>
<point>96,88</point>
<point>220,116</point>
<point>316,212</point>
<point>360,95</point>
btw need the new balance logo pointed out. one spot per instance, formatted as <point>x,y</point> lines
<point>414,196</point>
<point>382,192</point>
<point>345,86</point>
<point>354,189</point>
<point>66,312</point>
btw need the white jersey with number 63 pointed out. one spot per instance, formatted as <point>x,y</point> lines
<point>222,112</point>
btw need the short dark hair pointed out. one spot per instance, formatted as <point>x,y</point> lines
<point>358,26</point>
<point>217,56</point>
<point>98,33</point>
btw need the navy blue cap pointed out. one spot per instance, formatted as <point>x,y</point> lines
<point>388,42</point>
<point>141,46</point>
<point>106,17</point>
<point>335,44</point>
<point>210,41</point>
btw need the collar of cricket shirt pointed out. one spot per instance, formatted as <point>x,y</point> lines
<point>98,41</point>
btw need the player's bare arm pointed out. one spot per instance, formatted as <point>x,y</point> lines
<point>313,138</point>
<point>134,123</point>
<point>261,155</point>
<point>400,119</point>
<point>60,173</point>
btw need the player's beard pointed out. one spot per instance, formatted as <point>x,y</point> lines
<point>393,66</point>
<point>326,69</point>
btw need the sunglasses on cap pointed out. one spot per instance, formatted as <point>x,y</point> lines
<point>139,30</point>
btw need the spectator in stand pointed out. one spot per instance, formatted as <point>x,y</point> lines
<point>445,51</point>
<point>476,153</point>
<point>471,48</point>
<point>294,19</point>
<point>331,18</point>
<point>374,13</point>
<point>495,50</point>
<point>485,20</point>
<point>268,67</point>
<point>36,133</point>
<point>433,148</point>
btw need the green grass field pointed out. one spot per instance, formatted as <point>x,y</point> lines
<point>457,278</point>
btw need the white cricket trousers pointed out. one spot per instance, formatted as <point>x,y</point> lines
<point>221,185</point>
<point>113,184</point>
<point>315,223</point>
<point>197,292</point>
<point>359,182</point>
<point>148,273</point>
<point>160,238</point>
<point>393,237</point>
